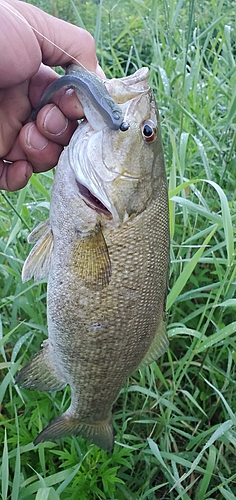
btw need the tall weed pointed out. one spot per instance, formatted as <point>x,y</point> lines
<point>175,420</point>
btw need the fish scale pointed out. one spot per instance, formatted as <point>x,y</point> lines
<point>107,267</point>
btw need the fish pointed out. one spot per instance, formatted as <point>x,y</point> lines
<point>105,251</point>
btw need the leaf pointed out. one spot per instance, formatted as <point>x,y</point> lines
<point>187,271</point>
<point>220,431</point>
<point>5,469</point>
<point>47,494</point>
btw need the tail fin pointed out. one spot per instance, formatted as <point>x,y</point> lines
<point>100,433</point>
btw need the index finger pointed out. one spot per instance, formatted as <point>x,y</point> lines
<point>61,43</point>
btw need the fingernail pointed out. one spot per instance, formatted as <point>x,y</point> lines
<point>35,140</point>
<point>55,122</point>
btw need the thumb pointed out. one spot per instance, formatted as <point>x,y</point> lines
<point>61,43</point>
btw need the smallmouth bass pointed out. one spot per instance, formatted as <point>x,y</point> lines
<point>105,250</point>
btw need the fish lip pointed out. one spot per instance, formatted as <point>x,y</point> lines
<point>93,201</point>
<point>95,178</point>
<point>126,177</point>
<point>87,176</point>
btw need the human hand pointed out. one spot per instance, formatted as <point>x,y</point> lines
<point>28,38</point>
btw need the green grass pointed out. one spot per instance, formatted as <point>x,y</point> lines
<point>175,420</point>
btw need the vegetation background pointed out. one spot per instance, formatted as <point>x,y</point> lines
<point>175,420</point>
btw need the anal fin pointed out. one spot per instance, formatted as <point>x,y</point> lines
<point>100,433</point>
<point>158,346</point>
<point>40,373</point>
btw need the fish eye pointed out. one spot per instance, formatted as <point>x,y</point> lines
<point>149,131</point>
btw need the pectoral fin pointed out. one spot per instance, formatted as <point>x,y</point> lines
<point>90,259</point>
<point>40,373</point>
<point>38,261</point>
<point>100,433</point>
<point>39,231</point>
<point>158,346</point>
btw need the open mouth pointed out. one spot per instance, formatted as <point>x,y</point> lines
<point>92,201</point>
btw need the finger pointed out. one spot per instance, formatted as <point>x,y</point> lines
<point>99,71</point>
<point>70,105</point>
<point>18,43</point>
<point>42,153</point>
<point>14,109</point>
<point>39,82</point>
<point>61,42</point>
<point>65,98</point>
<point>16,153</point>
<point>14,176</point>
<point>51,125</point>
<point>54,125</point>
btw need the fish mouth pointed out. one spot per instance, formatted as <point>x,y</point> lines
<point>92,201</point>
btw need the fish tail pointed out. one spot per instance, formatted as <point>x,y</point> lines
<point>100,433</point>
